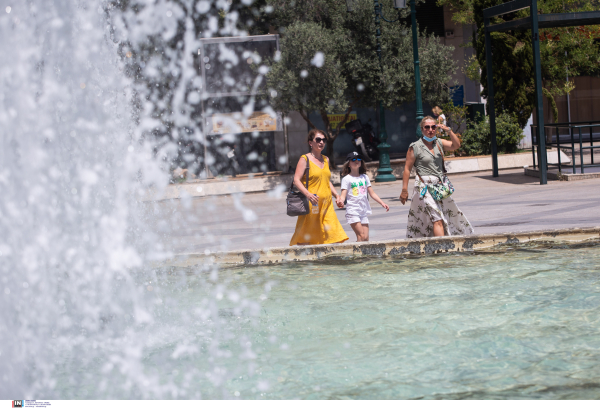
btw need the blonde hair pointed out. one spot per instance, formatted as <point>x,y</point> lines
<point>346,168</point>
<point>437,111</point>
<point>425,119</point>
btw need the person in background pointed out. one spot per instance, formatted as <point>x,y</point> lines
<point>356,187</point>
<point>320,225</point>
<point>439,115</point>
<point>426,216</point>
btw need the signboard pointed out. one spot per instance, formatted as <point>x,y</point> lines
<point>336,118</point>
<point>235,122</point>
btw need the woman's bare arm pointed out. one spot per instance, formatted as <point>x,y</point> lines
<point>453,143</point>
<point>408,165</point>
<point>333,190</point>
<point>300,169</point>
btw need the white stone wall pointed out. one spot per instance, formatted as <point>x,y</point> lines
<point>461,35</point>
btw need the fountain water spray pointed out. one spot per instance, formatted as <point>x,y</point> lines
<point>80,310</point>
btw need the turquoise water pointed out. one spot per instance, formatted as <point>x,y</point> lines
<point>520,323</point>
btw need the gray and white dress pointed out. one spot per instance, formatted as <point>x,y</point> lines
<point>424,210</point>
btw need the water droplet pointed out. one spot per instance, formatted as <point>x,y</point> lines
<point>199,189</point>
<point>169,13</point>
<point>82,85</point>
<point>8,9</point>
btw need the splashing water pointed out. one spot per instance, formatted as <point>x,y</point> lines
<point>76,296</point>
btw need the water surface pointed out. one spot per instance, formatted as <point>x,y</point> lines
<point>520,323</point>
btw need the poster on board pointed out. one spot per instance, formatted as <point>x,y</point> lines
<point>235,122</point>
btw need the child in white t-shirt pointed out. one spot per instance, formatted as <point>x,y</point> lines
<point>356,187</point>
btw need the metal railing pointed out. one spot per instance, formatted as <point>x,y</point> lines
<point>573,129</point>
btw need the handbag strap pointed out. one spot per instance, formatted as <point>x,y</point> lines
<point>440,148</point>
<point>306,172</point>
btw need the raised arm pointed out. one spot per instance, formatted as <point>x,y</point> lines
<point>408,165</point>
<point>453,143</point>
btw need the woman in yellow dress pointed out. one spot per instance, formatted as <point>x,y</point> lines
<point>320,225</point>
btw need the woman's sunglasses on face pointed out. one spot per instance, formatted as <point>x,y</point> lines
<point>429,127</point>
<point>320,140</point>
<point>355,159</point>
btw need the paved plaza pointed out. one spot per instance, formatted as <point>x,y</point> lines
<point>510,203</point>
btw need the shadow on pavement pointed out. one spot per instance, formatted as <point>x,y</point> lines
<point>512,178</point>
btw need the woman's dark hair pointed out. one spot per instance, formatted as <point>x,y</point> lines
<point>312,134</point>
<point>361,170</point>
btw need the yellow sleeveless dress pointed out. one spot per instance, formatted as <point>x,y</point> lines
<point>324,227</point>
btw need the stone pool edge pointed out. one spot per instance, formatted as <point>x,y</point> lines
<point>425,246</point>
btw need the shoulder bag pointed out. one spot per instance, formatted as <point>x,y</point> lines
<point>441,190</point>
<point>297,203</point>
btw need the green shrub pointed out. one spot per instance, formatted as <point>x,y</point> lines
<point>476,140</point>
<point>508,133</point>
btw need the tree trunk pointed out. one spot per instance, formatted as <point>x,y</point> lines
<point>554,110</point>
<point>330,138</point>
<point>329,152</point>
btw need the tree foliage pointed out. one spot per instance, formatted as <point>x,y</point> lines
<point>568,51</point>
<point>476,139</point>
<point>329,61</point>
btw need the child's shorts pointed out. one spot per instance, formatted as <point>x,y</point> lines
<point>356,218</point>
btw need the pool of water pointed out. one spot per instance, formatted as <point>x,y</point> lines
<point>517,323</point>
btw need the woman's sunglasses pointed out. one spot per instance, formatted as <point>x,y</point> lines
<point>320,139</point>
<point>355,159</point>
<point>429,127</point>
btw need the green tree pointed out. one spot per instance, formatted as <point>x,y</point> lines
<point>565,51</point>
<point>329,63</point>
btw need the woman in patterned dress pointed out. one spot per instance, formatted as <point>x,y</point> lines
<point>428,217</point>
